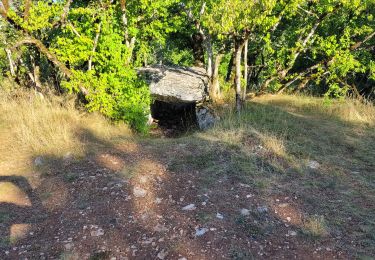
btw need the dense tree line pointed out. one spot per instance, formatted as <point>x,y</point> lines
<point>94,47</point>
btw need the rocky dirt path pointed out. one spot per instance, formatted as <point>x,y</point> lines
<point>125,201</point>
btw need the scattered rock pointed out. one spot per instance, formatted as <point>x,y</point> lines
<point>313,164</point>
<point>143,179</point>
<point>200,231</point>
<point>69,246</point>
<point>205,118</point>
<point>97,233</point>
<point>189,207</point>
<point>292,233</point>
<point>160,228</point>
<point>68,156</point>
<point>283,205</point>
<point>262,209</point>
<point>39,161</point>
<point>162,254</point>
<point>245,212</point>
<point>139,192</point>
<point>219,216</point>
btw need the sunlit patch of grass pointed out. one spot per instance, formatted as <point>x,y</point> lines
<point>34,125</point>
<point>315,227</point>
<point>273,144</point>
<point>18,231</point>
<point>128,172</point>
<point>11,193</point>
<point>348,110</point>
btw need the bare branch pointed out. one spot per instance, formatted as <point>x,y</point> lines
<point>308,12</point>
<point>64,14</point>
<point>27,10</point>
<point>46,52</point>
<point>4,6</point>
<point>66,11</point>
<point>359,44</point>
<point>74,29</point>
<point>203,8</point>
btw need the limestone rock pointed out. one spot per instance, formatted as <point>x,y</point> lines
<point>176,84</point>
<point>138,192</point>
<point>39,161</point>
<point>97,233</point>
<point>205,118</point>
<point>262,209</point>
<point>245,212</point>
<point>219,216</point>
<point>313,164</point>
<point>162,254</point>
<point>200,231</point>
<point>189,207</point>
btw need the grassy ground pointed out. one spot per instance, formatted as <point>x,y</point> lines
<point>303,168</point>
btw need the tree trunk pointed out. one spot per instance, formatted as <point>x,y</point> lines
<point>238,76</point>
<point>210,56</point>
<point>11,64</point>
<point>26,11</point>
<point>215,86</point>
<point>31,75</point>
<point>30,40</point>
<point>302,84</point>
<point>96,40</point>
<point>266,83</point>
<point>35,71</point>
<point>198,52</point>
<point>230,68</point>
<point>130,42</point>
<point>245,69</point>
<point>303,43</point>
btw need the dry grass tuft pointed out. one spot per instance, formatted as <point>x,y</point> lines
<point>315,226</point>
<point>273,144</point>
<point>348,110</point>
<point>31,124</point>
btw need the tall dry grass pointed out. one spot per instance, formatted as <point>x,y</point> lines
<point>32,125</point>
<point>347,110</point>
<point>278,121</point>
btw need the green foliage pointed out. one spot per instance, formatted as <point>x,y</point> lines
<point>113,86</point>
<point>180,57</point>
<point>328,44</point>
<point>100,50</point>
